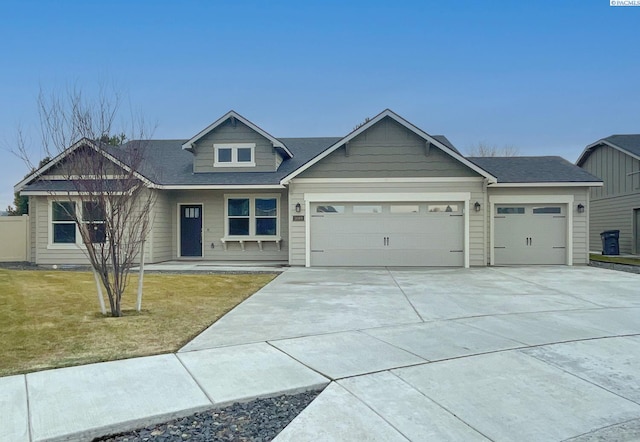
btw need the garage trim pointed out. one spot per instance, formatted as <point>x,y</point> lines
<point>532,199</point>
<point>309,198</point>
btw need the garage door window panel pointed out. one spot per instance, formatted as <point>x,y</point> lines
<point>446,208</point>
<point>547,210</point>
<point>404,209</point>
<point>330,209</point>
<point>366,209</point>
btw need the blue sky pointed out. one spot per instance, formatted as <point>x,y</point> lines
<point>547,77</point>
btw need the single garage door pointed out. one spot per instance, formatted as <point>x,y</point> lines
<point>387,234</point>
<point>530,234</point>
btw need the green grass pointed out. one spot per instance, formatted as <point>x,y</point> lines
<point>615,259</point>
<point>51,319</point>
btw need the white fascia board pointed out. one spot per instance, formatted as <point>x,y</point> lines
<point>547,184</point>
<point>219,187</point>
<point>406,124</point>
<point>531,199</point>
<point>61,193</point>
<point>587,151</point>
<point>276,143</point>
<point>387,180</point>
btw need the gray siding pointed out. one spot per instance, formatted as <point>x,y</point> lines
<point>477,228</point>
<point>214,222</point>
<point>616,169</point>
<point>614,213</point>
<point>265,154</point>
<point>387,149</point>
<point>48,254</point>
<point>612,205</point>
<point>33,208</point>
<point>160,238</point>
<point>580,220</point>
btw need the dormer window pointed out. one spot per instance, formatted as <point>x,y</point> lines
<point>234,155</point>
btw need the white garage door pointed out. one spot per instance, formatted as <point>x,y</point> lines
<point>387,234</point>
<point>530,234</point>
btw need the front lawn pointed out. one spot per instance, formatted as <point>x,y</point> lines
<point>52,319</point>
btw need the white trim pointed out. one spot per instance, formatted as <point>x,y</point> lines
<point>386,180</point>
<point>384,197</point>
<point>389,113</point>
<point>234,154</point>
<point>552,184</point>
<point>68,193</point>
<point>274,141</point>
<point>179,226</point>
<point>533,199</point>
<point>83,177</point>
<point>220,187</point>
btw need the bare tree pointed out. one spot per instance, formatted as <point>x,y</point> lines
<point>486,150</point>
<point>97,187</point>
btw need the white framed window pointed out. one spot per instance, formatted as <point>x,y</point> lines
<point>63,230</point>
<point>234,155</point>
<point>252,216</point>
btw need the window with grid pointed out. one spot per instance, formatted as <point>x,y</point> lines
<point>64,226</point>
<point>252,216</point>
<point>93,217</point>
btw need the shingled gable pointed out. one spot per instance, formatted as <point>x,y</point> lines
<point>189,145</point>
<point>628,144</point>
<point>83,142</point>
<point>435,141</point>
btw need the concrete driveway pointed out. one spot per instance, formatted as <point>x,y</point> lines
<point>527,353</point>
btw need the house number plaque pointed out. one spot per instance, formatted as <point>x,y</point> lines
<point>298,217</point>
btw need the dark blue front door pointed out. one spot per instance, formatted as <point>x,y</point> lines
<point>191,230</point>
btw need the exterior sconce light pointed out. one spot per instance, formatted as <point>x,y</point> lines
<point>580,208</point>
<point>476,206</point>
<point>298,208</point>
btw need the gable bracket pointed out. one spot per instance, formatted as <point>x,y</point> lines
<point>233,121</point>
<point>346,149</point>
<point>427,148</point>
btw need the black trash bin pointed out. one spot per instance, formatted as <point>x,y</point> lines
<point>610,244</point>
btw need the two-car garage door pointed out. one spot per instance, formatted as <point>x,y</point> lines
<point>387,234</point>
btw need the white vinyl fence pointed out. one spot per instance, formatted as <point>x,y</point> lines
<point>14,238</point>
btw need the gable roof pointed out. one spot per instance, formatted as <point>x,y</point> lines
<point>390,114</point>
<point>629,144</point>
<point>188,145</point>
<point>83,142</point>
<point>546,169</point>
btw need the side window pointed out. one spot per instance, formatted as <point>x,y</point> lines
<point>64,226</point>
<point>93,217</point>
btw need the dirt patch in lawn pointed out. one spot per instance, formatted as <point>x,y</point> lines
<point>51,319</point>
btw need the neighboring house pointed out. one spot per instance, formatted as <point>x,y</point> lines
<point>386,194</point>
<point>616,205</point>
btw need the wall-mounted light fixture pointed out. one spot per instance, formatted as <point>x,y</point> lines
<point>580,208</point>
<point>476,206</point>
<point>298,208</point>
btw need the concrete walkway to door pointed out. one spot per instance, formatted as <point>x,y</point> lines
<point>527,353</point>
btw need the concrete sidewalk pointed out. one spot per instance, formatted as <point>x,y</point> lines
<point>545,353</point>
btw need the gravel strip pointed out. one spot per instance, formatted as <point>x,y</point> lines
<point>257,421</point>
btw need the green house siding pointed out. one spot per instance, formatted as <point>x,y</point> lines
<point>387,149</point>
